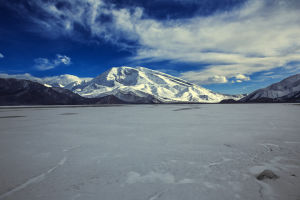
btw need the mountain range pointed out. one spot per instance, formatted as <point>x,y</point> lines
<point>129,85</point>
<point>25,92</point>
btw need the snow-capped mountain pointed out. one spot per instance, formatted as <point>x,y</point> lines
<point>142,85</point>
<point>65,81</point>
<point>283,91</point>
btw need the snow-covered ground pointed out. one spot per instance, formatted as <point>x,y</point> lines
<point>150,152</point>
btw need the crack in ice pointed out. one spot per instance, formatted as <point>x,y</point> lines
<point>33,180</point>
<point>157,195</point>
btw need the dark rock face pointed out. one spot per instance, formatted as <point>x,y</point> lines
<point>228,101</point>
<point>263,100</point>
<point>294,97</point>
<point>110,99</point>
<point>267,174</point>
<point>284,99</point>
<point>25,92</point>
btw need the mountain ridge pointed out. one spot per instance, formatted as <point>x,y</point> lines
<point>119,90</point>
<point>26,92</point>
<point>286,90</point>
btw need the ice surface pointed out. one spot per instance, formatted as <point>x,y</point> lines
<point>151,152</point>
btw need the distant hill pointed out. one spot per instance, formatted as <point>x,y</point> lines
<point>287,90</point>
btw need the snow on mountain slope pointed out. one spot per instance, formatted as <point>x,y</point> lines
<point>285,89</point>
<point>61,81</point>
<point>65,81</point>
<point>144,85</point>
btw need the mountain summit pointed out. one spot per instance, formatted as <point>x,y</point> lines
<point>142,85</point>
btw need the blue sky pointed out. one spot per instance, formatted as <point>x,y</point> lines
<point>229,46</point>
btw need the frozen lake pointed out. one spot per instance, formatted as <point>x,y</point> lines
<point>149,152</point>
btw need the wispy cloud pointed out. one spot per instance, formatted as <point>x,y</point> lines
<point>46,64</point>
<point>1,55</point>
<point>245,41</point>
<point>258,36</point>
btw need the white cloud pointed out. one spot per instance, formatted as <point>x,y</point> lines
<point>242,77</point>
<point>218,79</point>
<point>207,76</point>
<point>46,64</point>
<point>202,78</point>
<point>252,39</point>
<point>62,59</point>
<point>259,36</point>
<point>1,55</point>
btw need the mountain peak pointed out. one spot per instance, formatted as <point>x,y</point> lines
<point>141,82</point>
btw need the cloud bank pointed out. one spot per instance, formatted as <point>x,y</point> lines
<point>46,64</point>
<point>260,35</point>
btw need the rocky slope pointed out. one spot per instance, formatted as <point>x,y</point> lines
<point>287,90</point>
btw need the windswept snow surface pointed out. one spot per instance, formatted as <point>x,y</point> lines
<point>150,152</point>
<point>131,84</point>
